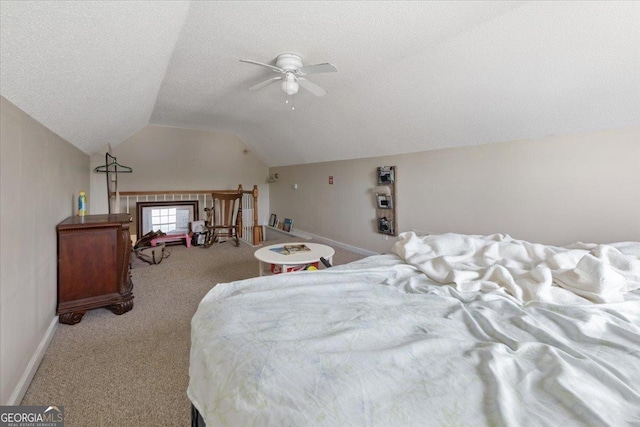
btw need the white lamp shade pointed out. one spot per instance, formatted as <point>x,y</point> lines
<point>289,86</point>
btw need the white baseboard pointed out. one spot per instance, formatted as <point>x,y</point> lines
<point>355,249</point>
<point>32,367</point>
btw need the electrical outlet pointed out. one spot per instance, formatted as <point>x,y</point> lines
<point>385,237</point>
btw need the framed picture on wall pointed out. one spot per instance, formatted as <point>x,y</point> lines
<point>386,175</point>
<point>384,201</point>
<point>273,220</point>
<point>288,224</point>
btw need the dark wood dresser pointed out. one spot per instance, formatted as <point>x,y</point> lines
<point>93,265</point>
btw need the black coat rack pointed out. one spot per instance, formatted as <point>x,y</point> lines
<point>111,166</point>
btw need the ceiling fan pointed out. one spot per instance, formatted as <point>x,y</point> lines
<point>292,73</point>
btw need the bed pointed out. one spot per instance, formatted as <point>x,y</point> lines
<point>448,330</point>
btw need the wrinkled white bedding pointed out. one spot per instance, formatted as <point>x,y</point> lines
<point>379,343</point>
<point>528,271</point>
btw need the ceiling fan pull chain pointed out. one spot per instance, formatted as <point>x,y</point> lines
<point>289,101</point>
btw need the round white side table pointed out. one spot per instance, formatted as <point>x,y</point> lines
<point>293,261</point>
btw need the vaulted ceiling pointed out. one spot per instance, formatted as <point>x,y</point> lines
<point>413,76</point>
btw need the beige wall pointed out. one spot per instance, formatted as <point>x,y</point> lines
<point>165,158</point>
<point>41,177</point>
<point>554,190</point>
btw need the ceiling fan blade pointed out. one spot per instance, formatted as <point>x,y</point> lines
<point>318,68</point>
<point>274,68</point>
<point>311,87</point>
<point>265,83</point>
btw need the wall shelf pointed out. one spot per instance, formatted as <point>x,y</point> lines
<point>385,200</point>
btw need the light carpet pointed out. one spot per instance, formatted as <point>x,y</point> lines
<point>133,369</point>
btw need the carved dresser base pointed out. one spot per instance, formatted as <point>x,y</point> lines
<point>93,266</point>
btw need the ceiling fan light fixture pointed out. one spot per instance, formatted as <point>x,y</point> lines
<point>289,85</point>
<point>293,74</point>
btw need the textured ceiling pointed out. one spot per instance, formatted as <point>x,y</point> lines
<point>413,76</point>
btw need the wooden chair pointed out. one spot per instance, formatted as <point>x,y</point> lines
<point>224,217</point>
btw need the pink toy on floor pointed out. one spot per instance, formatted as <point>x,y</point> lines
<point>172,238</point>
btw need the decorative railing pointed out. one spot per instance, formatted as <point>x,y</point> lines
<point>251,231</point>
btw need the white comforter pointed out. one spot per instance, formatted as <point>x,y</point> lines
<point>528,271</point>
<point>379,343</point>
